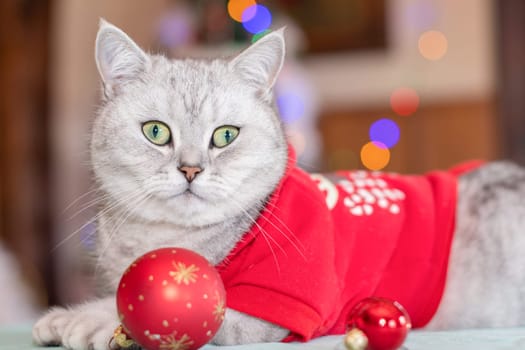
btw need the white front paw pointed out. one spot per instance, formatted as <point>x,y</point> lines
<point>89,327</point>
<point>49,329</point>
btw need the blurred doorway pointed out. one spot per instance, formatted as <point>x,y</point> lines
<point>24,146</point>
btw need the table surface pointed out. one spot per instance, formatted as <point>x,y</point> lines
<point>19,338</point>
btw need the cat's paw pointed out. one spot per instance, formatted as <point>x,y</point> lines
<point>89,326</point>
<point>48,329</point>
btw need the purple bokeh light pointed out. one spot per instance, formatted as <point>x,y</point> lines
<point>256,18</point>
<point>291,106</point>
<point>384,131</point>
<point>175,29</point>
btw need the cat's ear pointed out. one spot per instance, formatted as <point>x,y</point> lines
<point>261,63</point>
<point>119,60</point>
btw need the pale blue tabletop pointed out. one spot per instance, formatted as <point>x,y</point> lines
<point>19,338</point>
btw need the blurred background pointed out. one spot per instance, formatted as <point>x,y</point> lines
<point>394,85</point>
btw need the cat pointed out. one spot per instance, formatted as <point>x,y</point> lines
<point>192,153</point>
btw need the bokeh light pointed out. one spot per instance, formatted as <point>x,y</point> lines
<point>237,7</point>
<point>433,45</point>
<point>256,19</point>
<point>384,131</point>
<point>175,29</point>
<point>421,14</point>
<point>291,106</point>
<point>87,234</point>
<point>404,101</point>
<point>375,155</point>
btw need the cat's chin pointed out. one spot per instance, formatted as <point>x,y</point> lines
<point>186,201</point>
<point>187,209</point>
<point>187,195</point>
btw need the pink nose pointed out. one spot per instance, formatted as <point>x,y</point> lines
<point>190,172</point>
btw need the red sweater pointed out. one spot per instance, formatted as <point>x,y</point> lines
<point>323,243</point>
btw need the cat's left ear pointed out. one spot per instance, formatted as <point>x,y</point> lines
<point>261,63</point>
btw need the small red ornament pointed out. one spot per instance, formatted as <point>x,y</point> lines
<point>385,324</point>
<point>171,298</point>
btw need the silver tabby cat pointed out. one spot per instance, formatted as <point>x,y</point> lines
<point>161,156</point>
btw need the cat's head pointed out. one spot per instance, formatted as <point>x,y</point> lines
<point>191,142</point>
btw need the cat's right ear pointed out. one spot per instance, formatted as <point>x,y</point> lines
<point>119,60</point>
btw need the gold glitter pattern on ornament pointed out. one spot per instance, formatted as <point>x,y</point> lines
<point>184,274</point>
<point>219,310</point>
<point>170,342</point>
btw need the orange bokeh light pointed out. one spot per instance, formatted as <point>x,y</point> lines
<point>375,156</point>
<point>433,45</point>
<point>237,7</point>
<point>404,101</point>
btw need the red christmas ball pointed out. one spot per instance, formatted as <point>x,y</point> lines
<point>384,322</point>
<point>171,298</point>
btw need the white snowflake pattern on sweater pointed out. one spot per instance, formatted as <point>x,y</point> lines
<point>362,192</point>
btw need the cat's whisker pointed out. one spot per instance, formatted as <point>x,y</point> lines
<point>90,204</point>
<point>297,244</point>
<point>73,234</point>
<point>78,199</point>
<point>94,218</point>
<point>94,189</point>
<point>126,213</point>
<point>122,216</point>
<point>125,199</point>
<point>267,237</point>
<point>97,200</point>
<point>84,240</point>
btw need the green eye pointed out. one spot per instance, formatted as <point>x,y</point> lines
<point>224,135</point>
<point>157,132</point>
